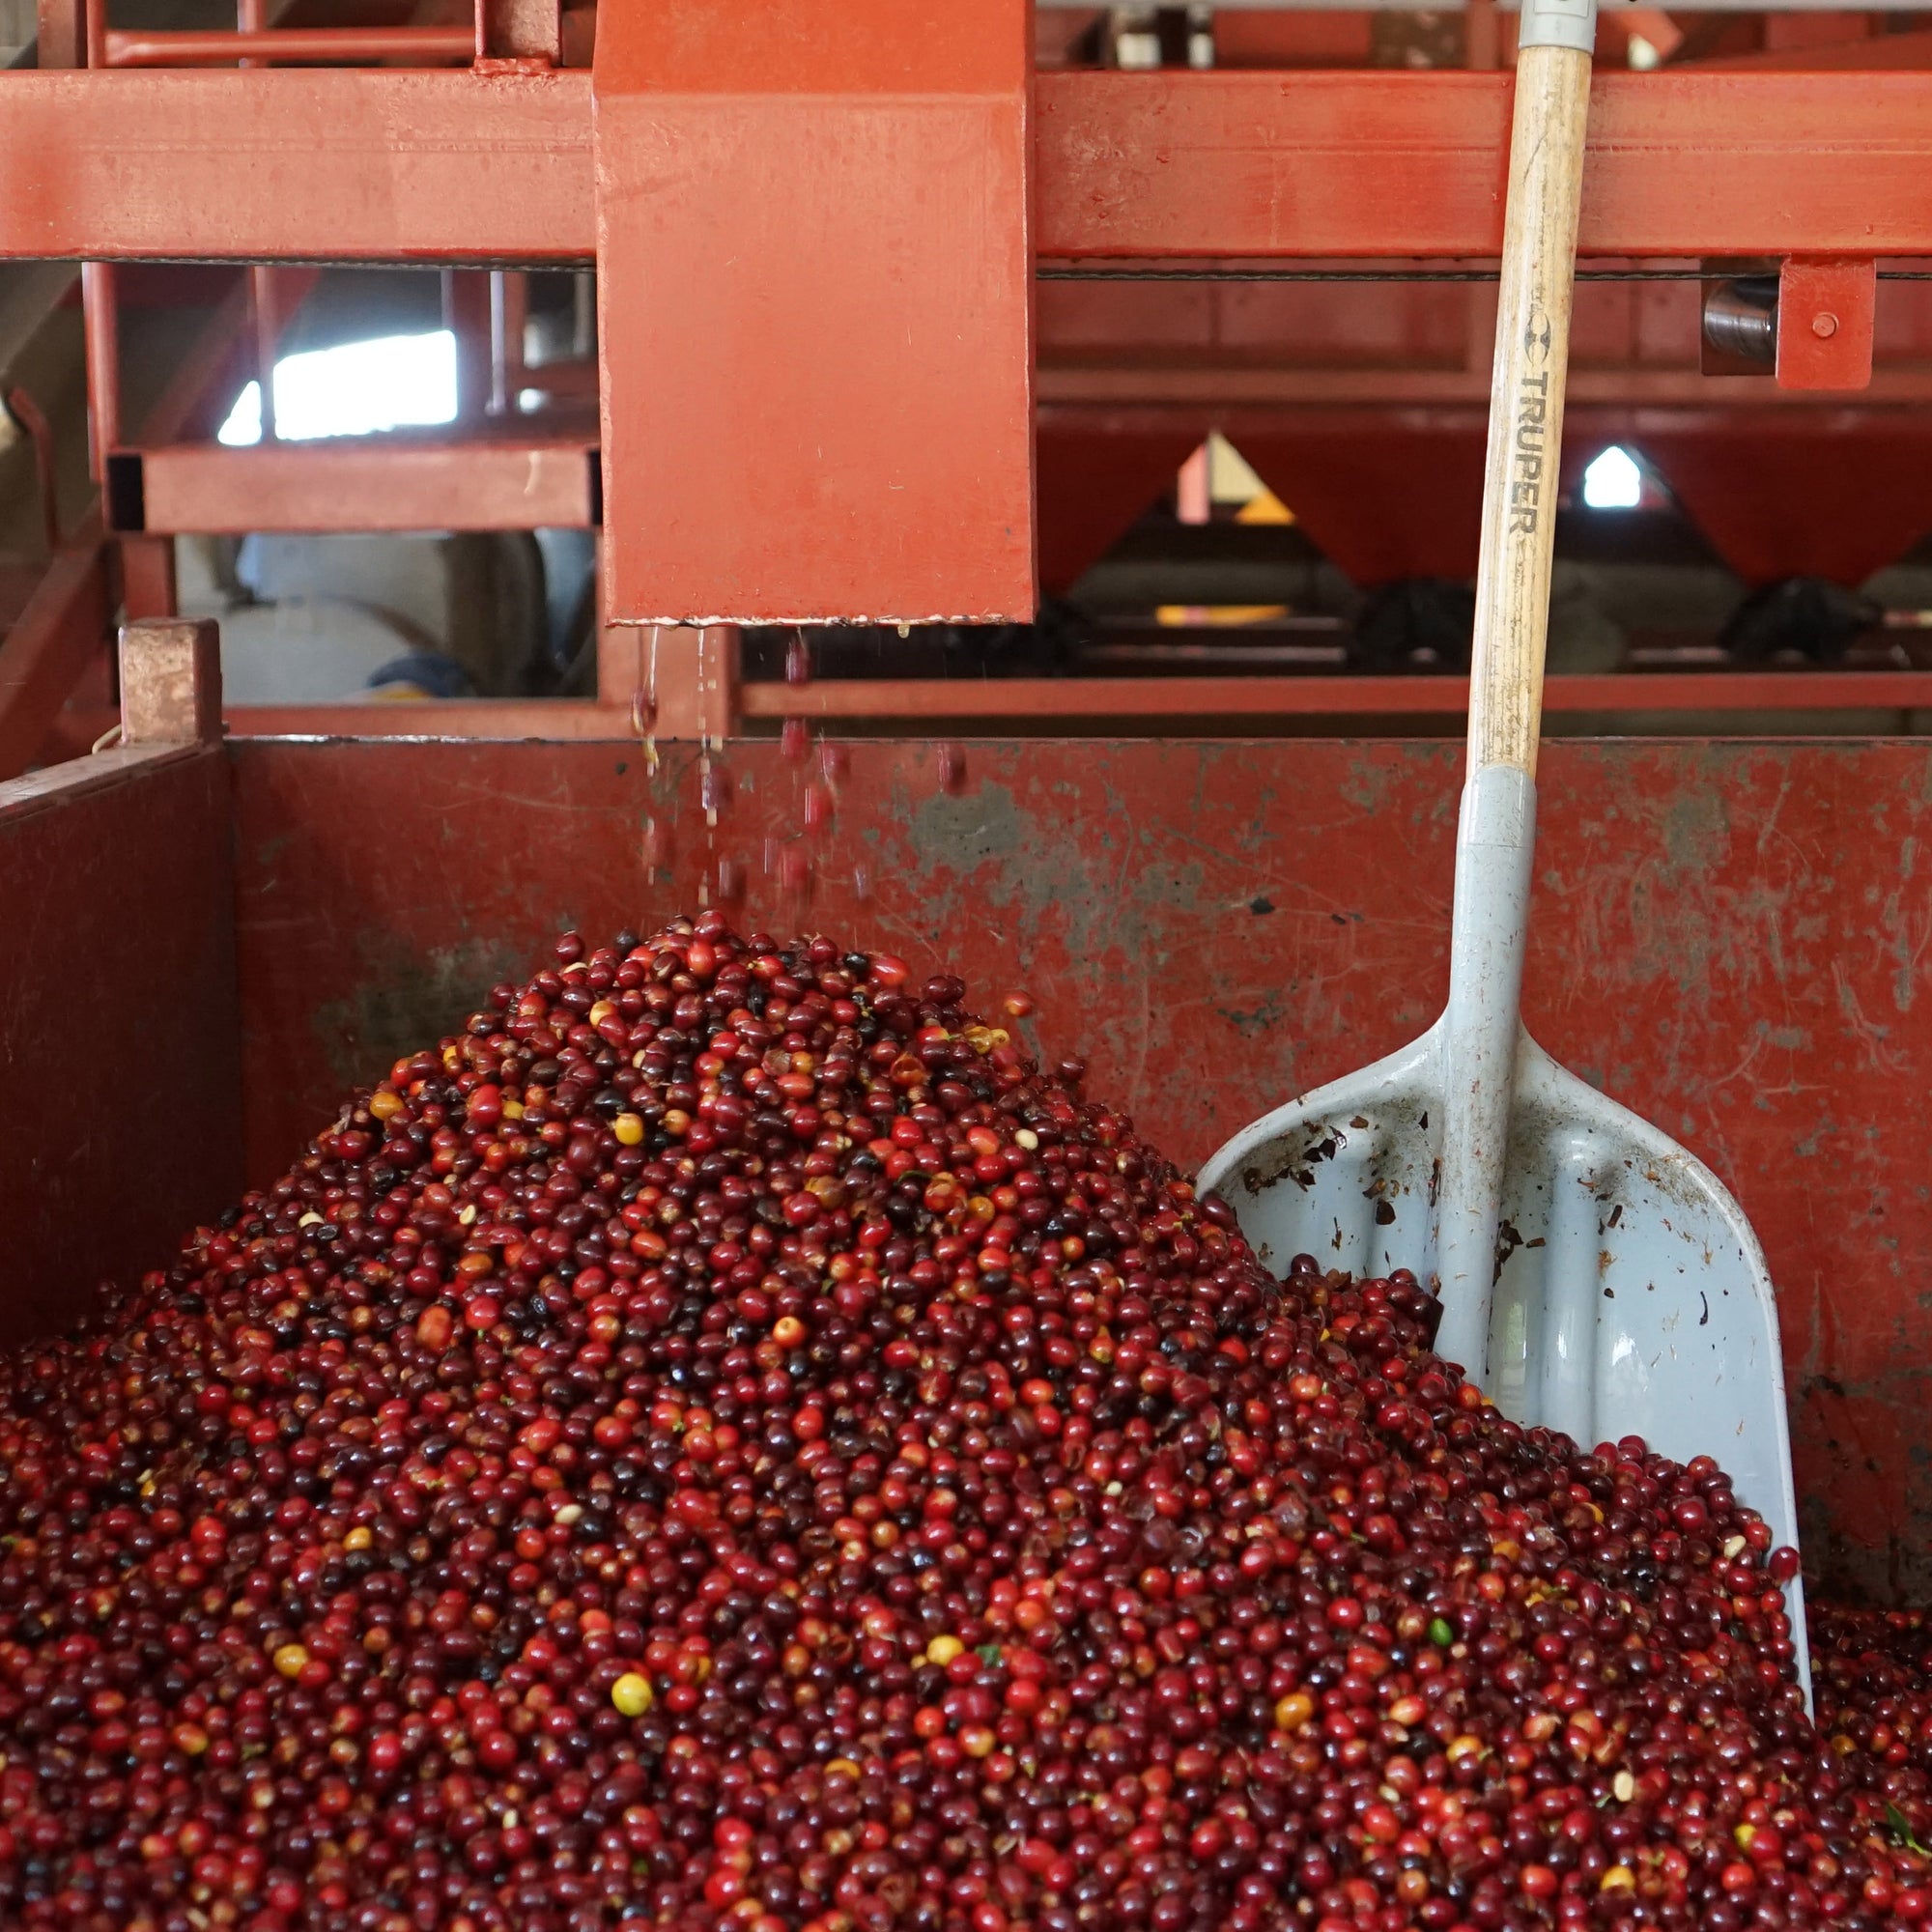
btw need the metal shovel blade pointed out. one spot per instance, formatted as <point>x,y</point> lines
<point>1631,1298</point>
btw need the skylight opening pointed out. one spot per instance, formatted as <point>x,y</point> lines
<point>1614,481</point>
<point>355,388</point>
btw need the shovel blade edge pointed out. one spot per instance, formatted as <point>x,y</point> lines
<point>1630,1297</point>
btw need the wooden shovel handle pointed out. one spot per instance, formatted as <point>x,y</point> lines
<point>1552,101</point>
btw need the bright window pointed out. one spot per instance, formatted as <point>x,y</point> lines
<point>353,389</point>
<point>1614,481</point>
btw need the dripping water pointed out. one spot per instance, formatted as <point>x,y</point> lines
<point>645,722</point>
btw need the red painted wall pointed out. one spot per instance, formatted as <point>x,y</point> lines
<point>1735,939</point>
<point>119,1056</point>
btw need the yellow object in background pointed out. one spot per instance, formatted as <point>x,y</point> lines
<point>1266,508</point>
<point>1232,479</point>
<point>1231,616</point>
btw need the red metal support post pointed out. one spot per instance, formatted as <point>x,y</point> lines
<point>262,314</point>
<point>523,30</point>
<point>51,643</point>
<point>467,315</point>
<point>814,268</point>
<point>1481,41</point>
<point>509,314</point>
<point>170,684</point>
<point>100,321</point>
<point>32,418</point>
<point>61,34</point>
<point>251,16</point>
<point>147,588</point>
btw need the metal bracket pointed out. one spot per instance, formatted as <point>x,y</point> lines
<point>1811,320</point>
<point>1824,320</point>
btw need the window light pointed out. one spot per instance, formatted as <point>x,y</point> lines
<point>353,389</point>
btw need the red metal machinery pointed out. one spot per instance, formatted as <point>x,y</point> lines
<point>1363,403</point>
<point>1730,935</point>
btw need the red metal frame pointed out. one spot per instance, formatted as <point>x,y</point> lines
<point>294,164</point>
<point>683,715</point>
<point>497,166</point>
<point>408,482</point>
<point>520,480</point>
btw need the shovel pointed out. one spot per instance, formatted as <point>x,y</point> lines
<point>1594,1276</point>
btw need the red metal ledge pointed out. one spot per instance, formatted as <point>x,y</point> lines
<point>1392,164</point>
<point>1042,702</point>
<point>1180,697</point>
<point>382,165</point>
<point>281,164</point>
<point>391,482</point>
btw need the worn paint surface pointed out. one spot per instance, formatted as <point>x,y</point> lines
<point>813,266</point>
<point>1734,939</point>
<point>118,1051</point>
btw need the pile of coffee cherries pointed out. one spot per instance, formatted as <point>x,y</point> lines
<point>724,1442</point>
<point>1871,1677</point>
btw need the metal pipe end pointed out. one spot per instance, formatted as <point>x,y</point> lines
<point>1741,318</point>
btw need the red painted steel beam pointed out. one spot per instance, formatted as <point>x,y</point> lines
<point>347,165</point>
<point>1391,165</point>
<point>523,30</point>
<point>384,165</point>
<point>372,483</point>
